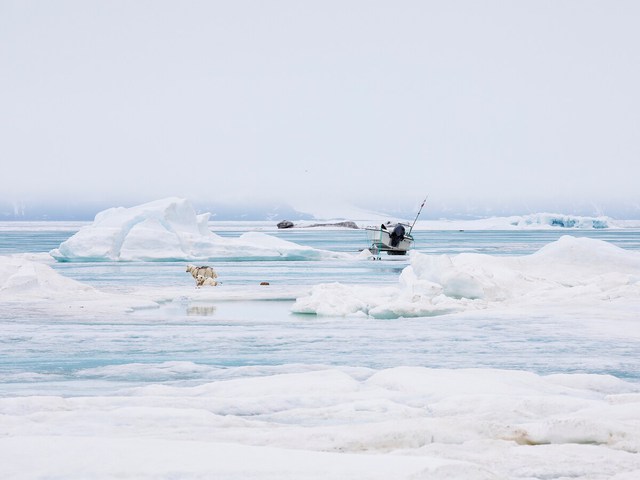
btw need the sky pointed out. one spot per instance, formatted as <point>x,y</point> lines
<point>486,106</point>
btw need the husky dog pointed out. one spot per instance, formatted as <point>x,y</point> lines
<point>202,275</point>
<point>200,281</point>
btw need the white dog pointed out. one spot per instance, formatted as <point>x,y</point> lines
<point>200,281</point>
<point>203,275</point>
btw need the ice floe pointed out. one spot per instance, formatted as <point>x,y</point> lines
<point>417,422</point>
<point>571,272</point>
<point>23,280</point>
<point>170,229</point>
<point>533,221</point>
<point>568,271</point>
<point>561,221</point>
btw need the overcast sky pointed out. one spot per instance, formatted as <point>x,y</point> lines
<point>483,104</point>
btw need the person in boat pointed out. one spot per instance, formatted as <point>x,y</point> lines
<point>397,235</point>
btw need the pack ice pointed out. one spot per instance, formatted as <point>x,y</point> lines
<point>570,272</point>
<point>30,280</point>
<point>170,229</point>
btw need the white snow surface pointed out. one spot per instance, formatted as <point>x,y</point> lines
<point>533,221</point>
<point>170,229</point>
<point>329,422</point>
<point>26,278</point>
<point>571,271</point>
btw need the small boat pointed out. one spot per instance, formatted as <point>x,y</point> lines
<point>395,239</point>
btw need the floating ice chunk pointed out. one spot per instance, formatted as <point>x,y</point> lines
<point>339,299</point>
<point>570,270</point>
<point>560,221</point>
<point>170,229</point>
<point>23,280</point>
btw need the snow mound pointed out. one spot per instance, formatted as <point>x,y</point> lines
<point>570,271</point>
<point>397,423</point>
<point>170,230</point>
<point>24,280</point>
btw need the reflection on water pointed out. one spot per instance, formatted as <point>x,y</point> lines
<point>201,310</point>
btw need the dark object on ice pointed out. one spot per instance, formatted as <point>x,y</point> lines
<point>347,224</point>
<point>390,238</point>
<point>285,224</point>
<point>264,283</point>
<point>397,235</point>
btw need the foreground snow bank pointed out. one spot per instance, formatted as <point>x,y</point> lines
<point>411,422</point>
<point>169,229</point>
<point>568,271</point>
<point>161,459</point>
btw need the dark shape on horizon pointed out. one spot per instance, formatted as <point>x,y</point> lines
<point>346,224</point>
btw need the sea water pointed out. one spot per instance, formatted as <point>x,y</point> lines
<point>59,354</point>
<point>244,388</point>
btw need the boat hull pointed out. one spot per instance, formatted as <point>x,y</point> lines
<point>382,241</point>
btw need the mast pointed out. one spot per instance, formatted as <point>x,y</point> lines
<point>416,219</point>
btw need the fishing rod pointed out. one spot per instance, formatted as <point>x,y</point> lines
<point>416,219</point>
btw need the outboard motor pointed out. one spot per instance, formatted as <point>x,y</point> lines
<point>397,235</point>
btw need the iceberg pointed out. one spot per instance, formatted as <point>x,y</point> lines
<point>560,221</point>
<point>170,230</point>
<point>570,271</point>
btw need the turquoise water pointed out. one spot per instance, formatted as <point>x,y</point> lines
<point>65,354</point>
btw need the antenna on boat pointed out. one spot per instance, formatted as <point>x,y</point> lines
<point>416,219</point>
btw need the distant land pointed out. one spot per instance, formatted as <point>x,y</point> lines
<point>86,211</point>
<point>273,211</point>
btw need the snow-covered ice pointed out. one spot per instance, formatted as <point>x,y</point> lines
<point>573,273</point>
<point>534,221</point>
<point>25,280</point>
<point>570,272</point>
<point>170,229</point>
<point>401,423</point>
<point>97,392</point>
<point>560,220</point>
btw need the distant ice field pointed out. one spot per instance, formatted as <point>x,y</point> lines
<point>264,332</point>
<point>40,237</point>
<point>540,379</point>
<point>57,357</point>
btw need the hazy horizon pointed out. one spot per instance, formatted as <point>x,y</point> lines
<point>86,211</point>
<point>488,107</point>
